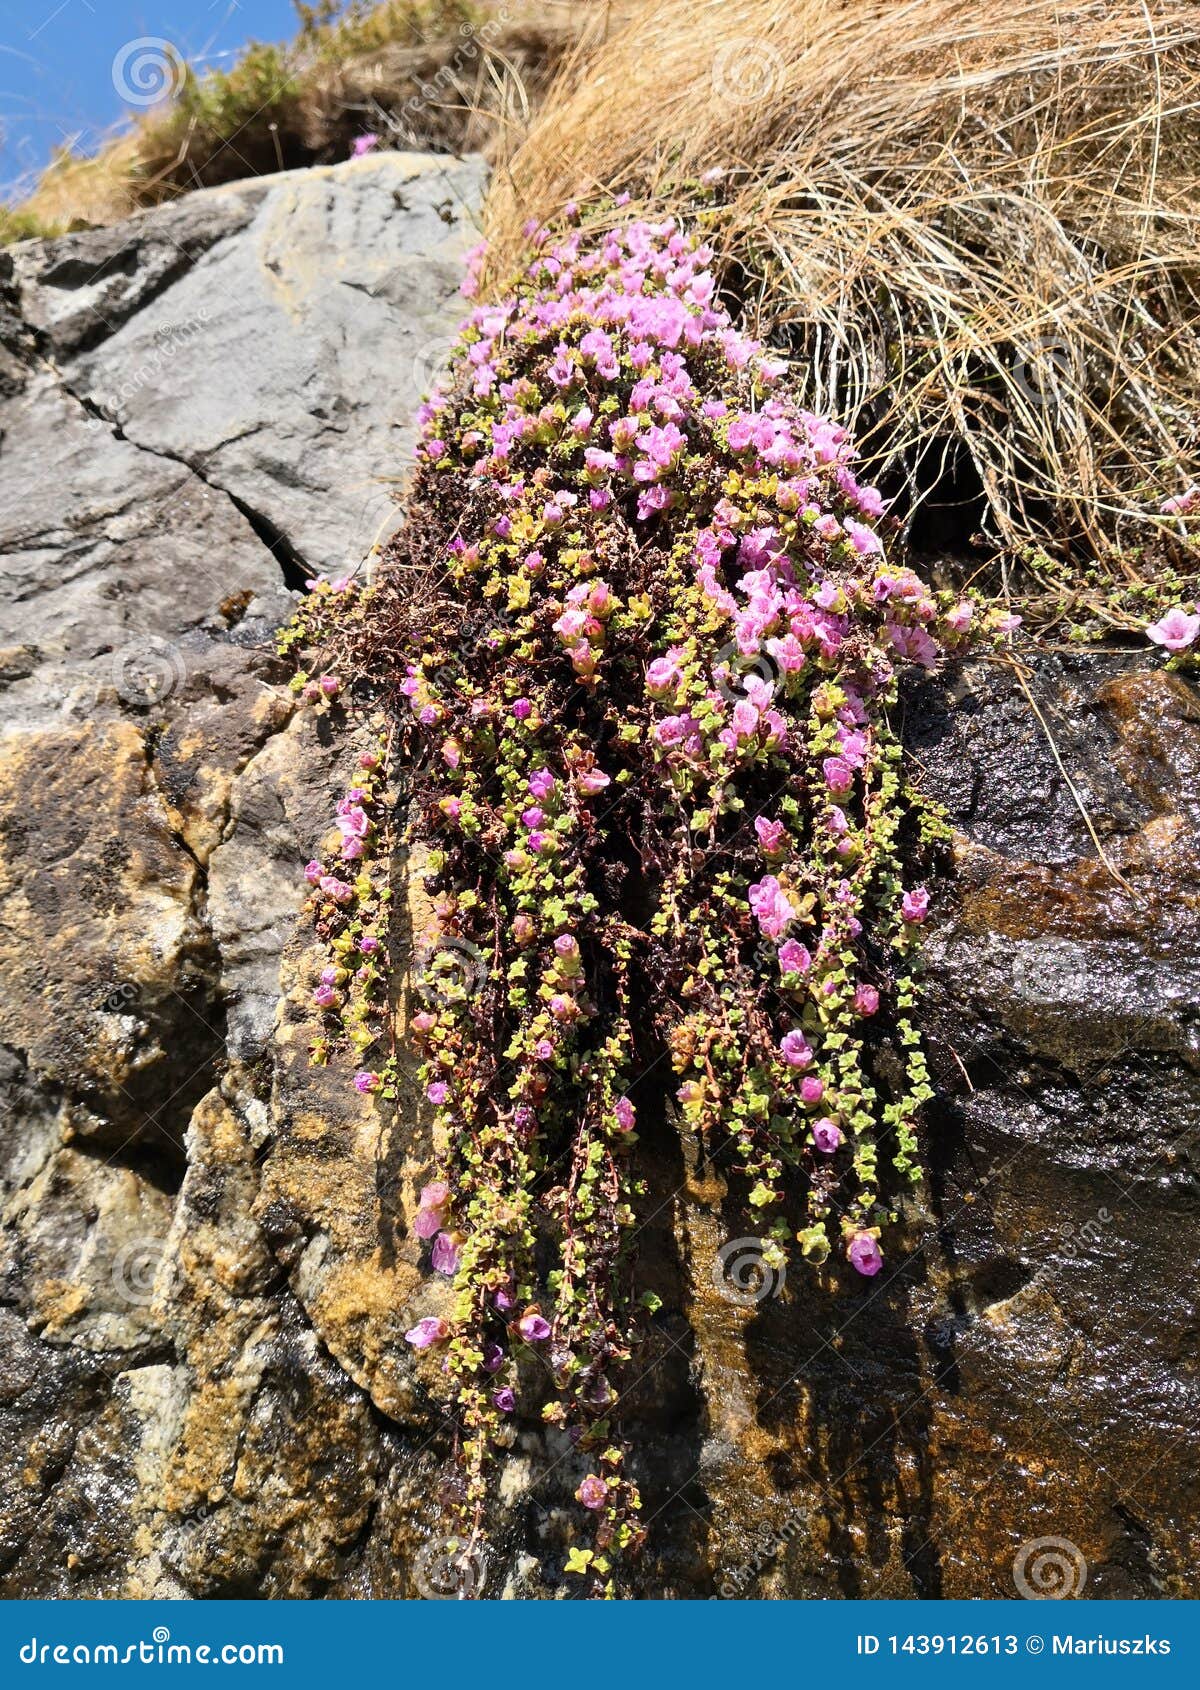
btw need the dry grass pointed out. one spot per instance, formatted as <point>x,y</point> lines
<point>974,228</point>
<point>446,75</point>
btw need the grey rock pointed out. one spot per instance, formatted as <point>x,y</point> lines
<point>285,365</point>
<point>206,1254</point>
<point>192,420</point>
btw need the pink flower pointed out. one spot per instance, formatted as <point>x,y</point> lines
<point>427,1332</point>
<point>770,835</point>
<point>1175,631</point>
<point>522,708</point>
<point>770,905</point>
<point>330,685</point>
<point>811,1089</point>
<point>352,820</point>
<point>445,1255</point>
<point>1181,504</point>
<point>826,1136</point>
<point>839,776</point>
<point>593,1492</point>
<point>335,889</point>
<point>959,619</point>
<point>625,1113</point>
<point>533,1328</point>
<point>368,944</point>
<point>324,997</point>
<point>437,1093</point>
<point>313,872</point>
<point>544,1050</point>
<point>427,1223</point>
<point>662,676</point>
<point>744,719</point>
<point>864,1254</point>
<point>504,1399</point>
<point>592,781</point>
<point>915,905</point>
<point>866,999</point>
<point>435,1195</point>
<point>570,624</point>
<point>366,1082</point>
<point>864,540</point>
<point>363,144</point>
<point>854,747</point>
<point>493,1358</point>
<point>424,1022</point>
<point>541,783</point>
<point>794,957</point>
<point>563,1008</point>
<point>795,1049</point>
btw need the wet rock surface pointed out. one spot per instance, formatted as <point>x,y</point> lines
<point>206,1252</point>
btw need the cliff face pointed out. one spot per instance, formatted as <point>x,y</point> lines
<point>207,1264</point>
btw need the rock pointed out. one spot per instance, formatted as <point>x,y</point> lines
<point>190,426</point>
<point>206,1244</point>
<point>260,364</point>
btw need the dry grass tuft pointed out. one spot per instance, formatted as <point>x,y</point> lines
<point>445,75</point>
<point>976,229</point>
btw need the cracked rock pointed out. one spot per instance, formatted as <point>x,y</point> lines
<point>207,1261</point>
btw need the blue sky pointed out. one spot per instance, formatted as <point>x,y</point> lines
<point>57,59</point>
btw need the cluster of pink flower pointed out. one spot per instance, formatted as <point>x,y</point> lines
<point>693,624</point>
<point>348,914</point>
<point>604,363</point>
